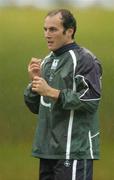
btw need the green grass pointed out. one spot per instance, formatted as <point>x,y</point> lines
<point>17,163</point>
<point>21,37</point>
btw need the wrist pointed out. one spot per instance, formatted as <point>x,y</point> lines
<point>53,93</point>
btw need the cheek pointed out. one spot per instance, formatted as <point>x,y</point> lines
<point>59,38</point>
<point>59,35</point>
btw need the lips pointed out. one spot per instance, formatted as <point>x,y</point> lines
<point>50,42</point>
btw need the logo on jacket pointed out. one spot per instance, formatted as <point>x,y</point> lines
<point>67,163</point>
<point>54,64</point>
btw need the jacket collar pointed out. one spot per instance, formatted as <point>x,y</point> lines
<point>65,48</point>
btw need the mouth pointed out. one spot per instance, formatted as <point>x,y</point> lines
<point>50,43</point>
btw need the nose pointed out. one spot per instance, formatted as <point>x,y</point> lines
<point>47,33</point>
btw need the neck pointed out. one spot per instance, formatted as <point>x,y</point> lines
<point>64,48</point>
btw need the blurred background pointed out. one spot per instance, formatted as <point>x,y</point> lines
<point>21,37</point>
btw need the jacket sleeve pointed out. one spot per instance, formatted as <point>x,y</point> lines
<point>88,86</point>
<point>32,99</point>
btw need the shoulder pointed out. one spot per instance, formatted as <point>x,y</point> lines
<point>87,60</point>
<point>86,55</point>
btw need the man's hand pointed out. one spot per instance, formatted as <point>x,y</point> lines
<point>34,68</point>
<point>40,86</point>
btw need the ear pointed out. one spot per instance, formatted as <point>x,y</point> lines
<point>70,32</point>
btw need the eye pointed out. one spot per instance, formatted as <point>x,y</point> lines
<point>45,29</point>
<point>53,29</point>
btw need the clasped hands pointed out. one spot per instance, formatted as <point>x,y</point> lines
<point>39,84</point>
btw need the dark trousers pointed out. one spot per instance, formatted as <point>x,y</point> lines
<point>66,169</point>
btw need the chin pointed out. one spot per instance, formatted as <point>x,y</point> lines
<point>51,48</point>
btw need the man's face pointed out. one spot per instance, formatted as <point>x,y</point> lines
<point>54,32</point>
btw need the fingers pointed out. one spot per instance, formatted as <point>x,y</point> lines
<point>39,85</point>
<point>37,78</point>
<point>35,61</point>
<point>34,68</point>
<point>36,81</point>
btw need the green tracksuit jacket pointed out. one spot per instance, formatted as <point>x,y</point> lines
<point>69,127</point>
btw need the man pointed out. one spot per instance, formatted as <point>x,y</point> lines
<point>65,93</point>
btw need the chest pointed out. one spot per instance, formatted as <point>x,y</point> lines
<point>58,72</point>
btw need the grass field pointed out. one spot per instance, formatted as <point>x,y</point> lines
<point>21,37</point>
<point>16,163</point>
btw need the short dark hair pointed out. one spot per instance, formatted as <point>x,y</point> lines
<point>68,19</point>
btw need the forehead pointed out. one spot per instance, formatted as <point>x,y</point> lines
<point>55,20</point>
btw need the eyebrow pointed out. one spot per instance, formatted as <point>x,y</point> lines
<point>50,28</point>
